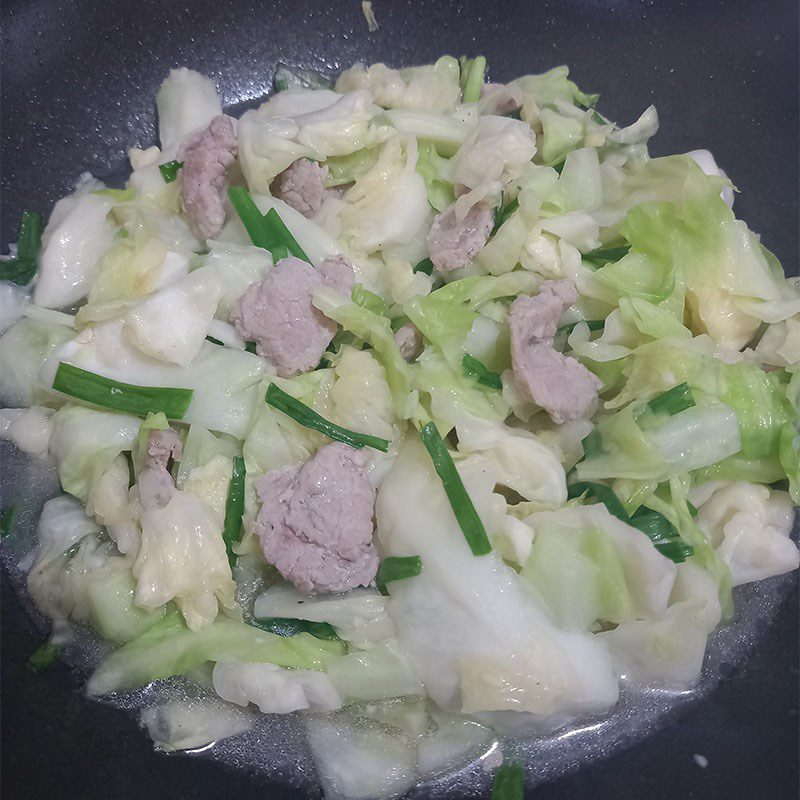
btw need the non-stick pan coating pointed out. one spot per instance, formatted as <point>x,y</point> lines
<point>78,85</point>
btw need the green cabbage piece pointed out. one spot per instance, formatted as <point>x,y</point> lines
<point>435,171</point>
<point>24,348</point>
<point>169,648</point>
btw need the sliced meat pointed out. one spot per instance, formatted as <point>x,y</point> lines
<point>451,243</point>
<point>559,384</point>
<point>409,342</point>
<point>315,523</point>
<point>302,186</point>
<point>155,483</point>
<point>277,314</point>
<point>206,158</point>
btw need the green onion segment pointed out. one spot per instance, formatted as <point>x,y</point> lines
<point>397,568</point>
<point>22,267</point>
<point>107,393</point>
<point>661,532</point>
<point>169,171</point>
<point>43,656</point>
<point>468,519</point>
<point>673,401</point>
<point>509,783</point>
<point>283,626</point>
<point>267,231</point>
<point>309,418</point>
<point>477,370</point>
<point>234,508</point>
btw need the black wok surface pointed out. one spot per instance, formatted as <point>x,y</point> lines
<point>78,85</point>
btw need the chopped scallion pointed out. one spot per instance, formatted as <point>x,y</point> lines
<point>601,257</point>
<point>605,494</point>
<point>509,783</point>
<point>43,656</point>
<point>283,626</point>
<point>309,418</point>
<point>562,334</point>
<point>107,393</point>
<point>397,568</point>
<point>502,214</point>
<point>426,266</point>
<point>673,401</point>
<point>8,520</point>
<point>515,114</point>
<point>267,231</point>
<point>477,370</point>
<point>468,519</point>
<point>169,171</point>
<point>234,508</point>
<point>662,533</point>
<point>214,341</point>
<point>22,267</point>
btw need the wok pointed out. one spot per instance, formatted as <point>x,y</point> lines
<point>78,86</point>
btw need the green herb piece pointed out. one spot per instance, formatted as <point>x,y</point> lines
<point>562,334</point>
<point>502,214</point>
<point>509,783</point>
<point>118,396</point>
<point>477,370</point>
<point>601,257</point>
<point>468,519</point>
<point>169,171</point>
<point>250,347</point>
<point>215,341</point>
<point>559,168</point>
<point>22,267</point>
<point>677,551</point>
<point>234,508</point>
<point>515,114</point>
<point>131,468</point>
<point>8,520</point>
<point>284,236</point>
<point>43,656</point>
<point>605,494</point>
<point>673,401</point>
<point>365,299</point>
<point>397,568</point>
<point>283,626</point>
<point>426,266</point>
<point>309,418</point>
<point>661,532</point>
<point>267,231</point>
<point>472,72</point>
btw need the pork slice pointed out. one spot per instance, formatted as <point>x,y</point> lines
<point>536,318</point>
<point>277,313</point>
<point>155,483</point>
<point>451,244</point>
<point>315,522</point>
<point>206,158</point>
<point>302,186</point>
<point>559,384</point>
<point>409,342</point>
